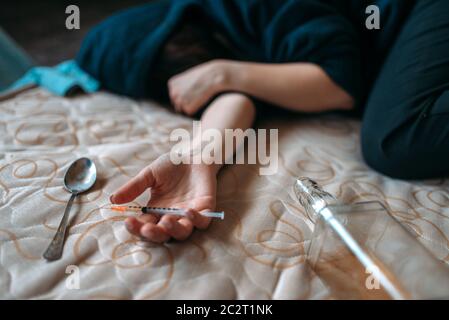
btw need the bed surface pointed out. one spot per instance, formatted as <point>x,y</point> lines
<point>257,252</point>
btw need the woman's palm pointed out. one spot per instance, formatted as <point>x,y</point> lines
<point>191,187</point>
<point>183,186</point>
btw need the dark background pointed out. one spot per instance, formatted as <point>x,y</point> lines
<point>39,26</point>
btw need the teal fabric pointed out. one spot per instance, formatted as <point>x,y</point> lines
<point>60,80</point>
<point>14,62</point>
<point>17,71</point>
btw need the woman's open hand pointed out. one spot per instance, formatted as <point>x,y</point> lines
<point>190,186</point>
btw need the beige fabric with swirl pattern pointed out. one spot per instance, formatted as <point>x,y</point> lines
<point>257,252</point>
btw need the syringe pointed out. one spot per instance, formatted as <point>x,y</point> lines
<point>169,211</point>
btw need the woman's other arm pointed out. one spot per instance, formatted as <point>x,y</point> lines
<point>303,87</point>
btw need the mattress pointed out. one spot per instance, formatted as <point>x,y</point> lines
<point>257,252</point>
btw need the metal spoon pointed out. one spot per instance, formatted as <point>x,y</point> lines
<point>79,178</point>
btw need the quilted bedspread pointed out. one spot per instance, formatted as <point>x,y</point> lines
<point>256,252</point>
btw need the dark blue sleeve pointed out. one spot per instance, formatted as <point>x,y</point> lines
<point>120,51</point>
<point>313,31</point>
<point>316,32</point>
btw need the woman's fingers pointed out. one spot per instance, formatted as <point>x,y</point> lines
<point>154,233</point>
<point>179,229</point>
<point>134,187</point>
<point>175,102</point>
<point>145,218</point>
<point>198,220</point>
<point>182,98</point>
<point>174,96</point>
<point>189,109</point>
<point>168,226</point>
<point>178,102</point>
<point>160,230</point>
<point>134,224</point>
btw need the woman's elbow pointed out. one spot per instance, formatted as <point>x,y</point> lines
<point>346,102</point>
<point>333,101</point>
<point>338,99</point>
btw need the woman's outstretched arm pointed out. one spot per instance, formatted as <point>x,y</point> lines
<point>301,87</point>
<point>189,186</point>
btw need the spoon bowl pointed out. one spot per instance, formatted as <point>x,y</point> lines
<point>80,176</point>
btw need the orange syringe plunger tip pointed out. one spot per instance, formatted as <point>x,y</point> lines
<point>119,208</point>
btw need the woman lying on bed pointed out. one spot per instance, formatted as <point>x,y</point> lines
<point>224,59</point>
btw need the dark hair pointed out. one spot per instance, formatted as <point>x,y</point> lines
<point>191,44</point>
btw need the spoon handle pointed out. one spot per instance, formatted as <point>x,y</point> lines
<point>54,250</point>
